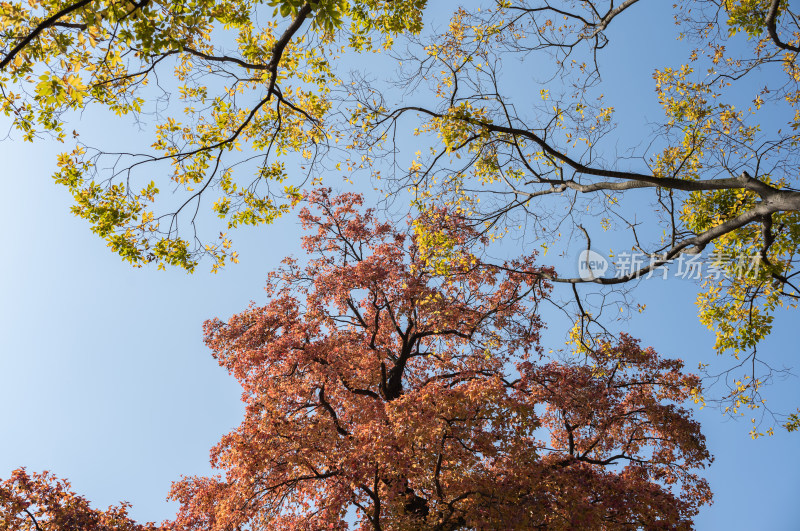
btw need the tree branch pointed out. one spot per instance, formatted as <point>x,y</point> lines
<point>48,22</point>
<point>772,27</point>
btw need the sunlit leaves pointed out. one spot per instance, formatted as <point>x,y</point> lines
<point>44,502</point>
<point>380,388</point>
<point>109,54</point>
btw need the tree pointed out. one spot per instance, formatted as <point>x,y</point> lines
<point>382,394</point>
<point>64,56</point>
<point>719,170</point>
<point>42,502</point>
<point>718,177</point>
<point>379,390</point>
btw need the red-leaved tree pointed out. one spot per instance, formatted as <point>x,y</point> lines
<point>43,502</point>
<point>384,394</point>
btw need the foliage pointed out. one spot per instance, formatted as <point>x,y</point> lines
<point>719,171</point>
<point>65,56</point>
<point>378,387</point>
<point>381,394</point>
<point>42,502</point>
<point>256,107</point>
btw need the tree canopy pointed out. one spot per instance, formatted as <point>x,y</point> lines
<point>381,394</point>
<point>247,104</point>
<point>397,379</point>
<point>43,502</point>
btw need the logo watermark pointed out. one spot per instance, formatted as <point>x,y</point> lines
<point>592,265</point>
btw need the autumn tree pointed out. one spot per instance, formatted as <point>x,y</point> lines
<point>720,171</point>
<point>43,502</point>
<point>383,393</point>
<point>248,104</point>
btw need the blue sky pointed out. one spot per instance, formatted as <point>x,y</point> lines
<point>104,379</point>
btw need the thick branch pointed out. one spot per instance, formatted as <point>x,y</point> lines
<point>780,201</point>
<point>280,44</point>
<point>225,59</point>
<point>744,181</point>
<point>325,404</point>
<point>613,12</point>
<point>33,519</point>
<point>772,27</point>
<point>48,22</point>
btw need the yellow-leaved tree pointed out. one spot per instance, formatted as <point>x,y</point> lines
<point>251,102</point>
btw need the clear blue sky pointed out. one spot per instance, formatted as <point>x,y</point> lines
<point>104,379</point>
